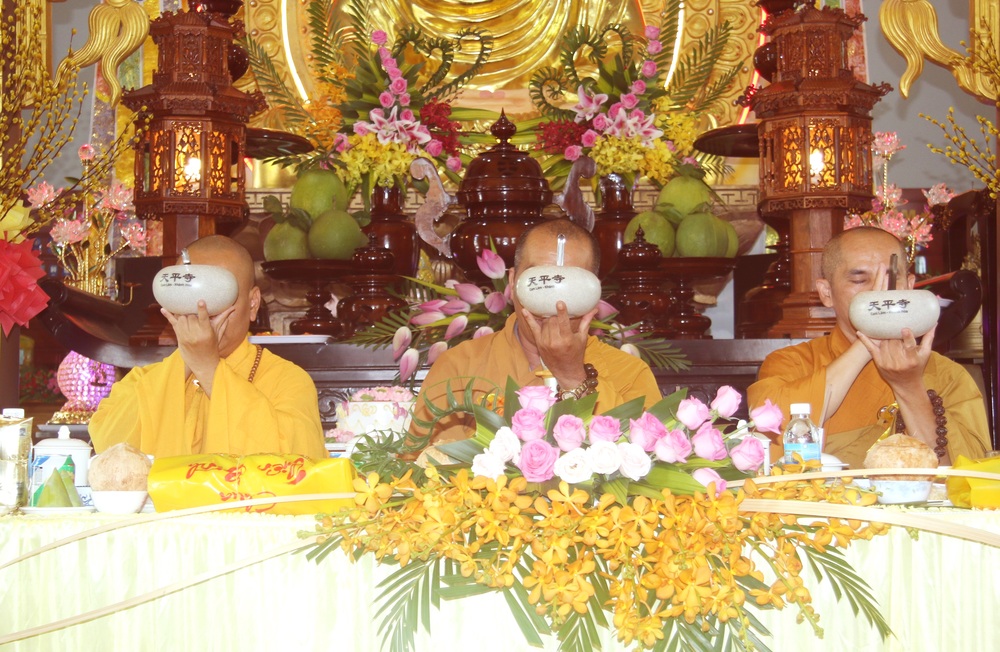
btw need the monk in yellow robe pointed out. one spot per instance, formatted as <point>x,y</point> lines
<point>857,377</point>
<point>216,393</point>
<point>517,350</point>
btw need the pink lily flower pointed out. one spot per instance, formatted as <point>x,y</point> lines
<point>589,105</point>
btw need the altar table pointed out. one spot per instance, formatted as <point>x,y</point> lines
<point>938,593</point>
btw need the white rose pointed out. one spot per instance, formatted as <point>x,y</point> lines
<point>574,467</point>
<point>635,461</point>
<point>506,446</point>
<point>604,457</point>
<point>487,464</point>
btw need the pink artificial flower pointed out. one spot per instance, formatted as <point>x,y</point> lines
<point>425,318</point>
<point>470,293</point>
<point>455,306</point>
<point>938,194</point>
<point>748,455</point>
<point>536,397</point>
<point>386,99</point>
<point>86,152</point>
<point>604,428</point>
<point>767,417</point>
<point>404,99</point>
<point>65,232</point>
<point>454,163</point>
<point>398,86</point>
<point>434,148</point>
<point>482,331</point>
<point>652,32</point>
<point>401,341</point>
<point>41,194</point>
<point>134,235</point>
<point>588,105</point>
<point>588,138</point>
<point>709,444</point>
<point>646,431</point>
<point>408,364</point>
<point>528,424</point>
<point>538,460</point>
<point>456,326</point>
<point>727,400</point>
<point>638,87</point>
<point>692,413</point>
<point>118,198</point>
<point>708,476</point>
<point>635,462</point>
<point>569,432</point>
<point>673,448</point>
<point>379,37</point>
<point>435,351</point>
<point>491,264</point>
<point>495,302</point>
<point>629,101</point>
<point>573,152</point>
<point>648,68</point>
<point>654,47</point>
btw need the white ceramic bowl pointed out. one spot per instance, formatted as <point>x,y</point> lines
<point>119,502</point>
<point>901,492</point>
<point>539,288</point>
<point>832,463</point>
<point>178,288</point>
<point>883,314</point>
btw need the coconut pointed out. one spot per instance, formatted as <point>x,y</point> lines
<point>119,468</point>
<point>901,452</point>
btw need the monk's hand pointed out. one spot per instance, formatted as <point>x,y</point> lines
<point>561,343</point>
<point>198,337</point>
<point>901,362</point>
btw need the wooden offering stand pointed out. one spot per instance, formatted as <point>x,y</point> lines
<point>318,275</point>
<point>685,320</point>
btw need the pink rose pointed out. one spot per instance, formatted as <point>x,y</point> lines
<point>635,462</point>
<point>573,152</point>
<point>361,128</point>
<point>707,477</point>
<point>589,137</point>
<point>538,460</point>
<point>674,447</point>
<point>629,101</point>
<point>495,302</point>
<point>398,86</point>
<point>434,148</point>
<point>407,114</point>
<point>652,32</point>
<point>385,55</point>
<point>601,122</point>
<point>605,428</point>
<point>727,400</point>
<point>648,68</point>
<point>528,424</point>
<point>386,99</point>
<point>379,37</point>
<point>341,143</point>
<point>748,455</point>
<point>646,431</point>
<point>692,413</point>
<point>536,397</point>
<point>454,163</point>
<point>638,87</point>
<point>491,264</point>
<point>708,443</point>
<point>767,417</point>
<point>404,99</point>
<point>654,47</point>
<point>569,432</point>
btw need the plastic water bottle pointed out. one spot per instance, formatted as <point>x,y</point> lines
<point>802,436</point>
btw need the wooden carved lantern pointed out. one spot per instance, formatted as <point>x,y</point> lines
<point>815,148</point>
<point>189,168</point>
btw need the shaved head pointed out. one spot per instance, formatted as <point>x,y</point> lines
<point>225,252</point>
<point>543,235</point>
<point>833,252</point>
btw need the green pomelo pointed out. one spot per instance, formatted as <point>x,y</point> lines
<point>701,235</point>
<point>286,242</point>
<point>685,194</point>
<point>335,235</point>
<point>317,191</point>
<point>734,240</point>
<point>656,229</point>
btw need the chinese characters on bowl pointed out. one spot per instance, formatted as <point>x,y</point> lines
<point>178,288</point>
<point>883,314</point>
<point>539,288</point>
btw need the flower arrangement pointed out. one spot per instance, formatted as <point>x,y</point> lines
<point>374,112</point>
<point>372,409</point>
<point>459,311</point>
<point>636,116</point>
<point>586,522</point>
<point>887,213</point>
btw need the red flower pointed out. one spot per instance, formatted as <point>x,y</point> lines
<point>20,297</point>
<point>555,136</point>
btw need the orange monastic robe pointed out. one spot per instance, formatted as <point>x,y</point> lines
<point>159,411</point>
<point>492,359</point>
<point>797,374</point>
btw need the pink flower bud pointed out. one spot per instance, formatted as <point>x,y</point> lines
<point>456,326</point>
<point>408,364</point>
<point>435,351</point>
<point>401,341</point>
<point>491,264</point>
<point>471,294</point>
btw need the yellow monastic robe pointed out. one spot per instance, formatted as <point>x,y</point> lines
<point>156,409</point>
<point>797,374</point>
<point>492,359</point>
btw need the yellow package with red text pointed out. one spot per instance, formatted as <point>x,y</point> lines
<point>195,480</point>
<point>982,493</point>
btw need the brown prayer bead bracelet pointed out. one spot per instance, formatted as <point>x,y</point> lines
<point>941,443</point>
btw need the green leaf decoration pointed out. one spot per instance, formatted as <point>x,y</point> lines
<point>697,65</point>
<point>831,566</point>
<point>269,82</point>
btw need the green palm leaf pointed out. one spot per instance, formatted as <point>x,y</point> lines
<point>327,38</point>
<point>270,83</point>
<point>831,566</point>
<point>694,70</point>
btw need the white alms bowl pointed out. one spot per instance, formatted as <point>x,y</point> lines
<point>539,288</point>
<point>902,492</point>
<point>119,502</point>
<point>178,288</point>
<point>883,314</point>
